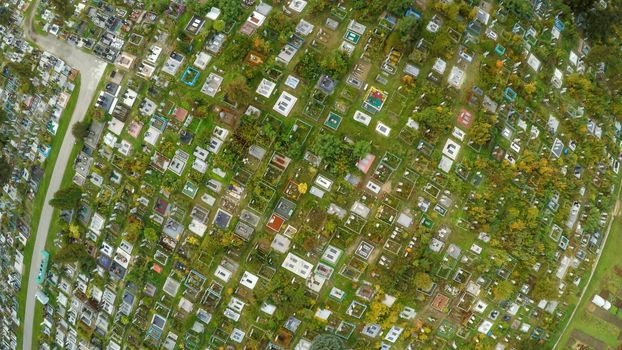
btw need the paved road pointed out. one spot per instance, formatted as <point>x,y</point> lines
<point>91,70</point>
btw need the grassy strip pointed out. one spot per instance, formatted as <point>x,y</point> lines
<point>39,199</point>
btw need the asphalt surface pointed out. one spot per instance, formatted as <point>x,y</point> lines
<point>91,71</point>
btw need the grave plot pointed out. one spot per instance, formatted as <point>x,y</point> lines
<point>261,197</point>
<point>355,223</point>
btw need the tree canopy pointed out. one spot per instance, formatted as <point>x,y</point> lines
<point>5,16</point>
<point>5,171</point>
<point>423,280</point>
<point>312,65</point>
<point>336,154</point>
<point>67,198</point>
<point>326,342</point>
<point>81,129</point>
<point>75,252</point>
<point>237,90</point>
<point>433,120</point>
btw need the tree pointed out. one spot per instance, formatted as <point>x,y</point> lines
<point>303,187</point>
<point>231,10</point>
<point>280,23</point>
<point>22,69</point>
<point>434,120</point>
<point>545,288</point>
<point>326,342</point>
<point>368,9</point>
<point>159,6</point>
<point>335,64</point>
<point>337,155</point>
<point>362,148</point>
<point>219,25</point>
<point>408,80</point>
<point>320,5</point>
<point>398,7</point>
<point>449,10</point>
<point>238,48</point>
<point>81,129</point>
<point>580,6</point>
<point>67,198</point>
<point>64,7</point>
<point>503,290</point>
<point>5,171</point>
<point>133,229</point>
<point>377,310</point>
<point>75,252</point>
<point>309,66</point>
<point>409,29</point>
<point>578,85</point>
<point>442,45</point>
<point>423,280</point>
<point>330,226</point>
<point>150,234</point>
<point>520,7</point>
<point>5,16</point>
<point>74,231</point>
<point>602,23</point>
<point>603,53</point>
<point>237,91</point>
<point>530,88</point>
<point>592,221</point>
<point>327,146</point>
<point>480,132</point>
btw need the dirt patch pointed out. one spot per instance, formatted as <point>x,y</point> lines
<point>581,341</point>
<point>591,307</point>
<point>608,317</point>
<point>386,188</point>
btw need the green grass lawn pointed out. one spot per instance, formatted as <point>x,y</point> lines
<point>604,275</point>
<point>37,204</point>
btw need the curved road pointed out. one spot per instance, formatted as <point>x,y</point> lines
<point>91,71</point>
